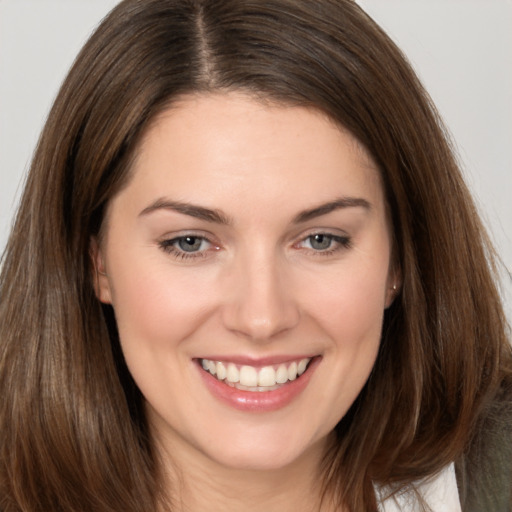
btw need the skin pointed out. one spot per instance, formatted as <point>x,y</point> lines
<point>258,286</point>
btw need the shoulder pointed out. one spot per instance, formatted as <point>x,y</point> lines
<point>484,473</point>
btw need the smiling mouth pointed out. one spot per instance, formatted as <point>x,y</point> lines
<point>250,378</point>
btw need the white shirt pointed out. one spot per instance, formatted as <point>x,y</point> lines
<point>439,492</point>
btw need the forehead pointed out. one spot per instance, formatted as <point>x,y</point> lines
<point>207,147</point>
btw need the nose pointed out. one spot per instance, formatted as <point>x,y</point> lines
<point>260,303</point>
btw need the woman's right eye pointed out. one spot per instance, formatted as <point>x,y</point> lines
<point>186,246</point>
<point>190,243</point>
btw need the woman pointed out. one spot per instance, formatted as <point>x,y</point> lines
<point>246,273</point>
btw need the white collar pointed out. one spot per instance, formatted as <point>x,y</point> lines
<point>439,492</point>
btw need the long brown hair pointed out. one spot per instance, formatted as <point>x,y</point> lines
<point>73,431</point>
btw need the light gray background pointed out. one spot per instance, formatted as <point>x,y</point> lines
<point>462,50</point>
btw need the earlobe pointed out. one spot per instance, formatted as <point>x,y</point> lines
<point>99,277</point>
<point>393,289</point>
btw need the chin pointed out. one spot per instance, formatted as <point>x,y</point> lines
<point>269,452</point>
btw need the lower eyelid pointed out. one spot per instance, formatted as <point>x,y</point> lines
<point>180,254</point>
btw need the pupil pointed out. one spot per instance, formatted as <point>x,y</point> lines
<point>189,243</point>
<point>321,242</point>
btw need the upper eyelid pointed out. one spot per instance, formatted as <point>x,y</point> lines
<point>184,233</point>
<point>335,238</point>
<point>334,232</point>
<point>173,240</point>
<point>214,240</point>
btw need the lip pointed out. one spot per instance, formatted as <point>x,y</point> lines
<point>258,401</point>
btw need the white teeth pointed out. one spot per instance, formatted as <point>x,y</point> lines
<point>292,371</point>
<point>248,376</point>
<point>212,367</point>
<point>237,385</point>
<point>232,374</point>
<point>221,371</point>
<point>282,374</point>
<point>267,376</point>
<point>252,379</point>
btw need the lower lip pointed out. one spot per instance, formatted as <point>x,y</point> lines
<point>258,401</point>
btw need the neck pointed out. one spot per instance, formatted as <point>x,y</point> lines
<point>199,484</point>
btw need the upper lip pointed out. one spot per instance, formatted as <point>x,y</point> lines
<point>258,361</point>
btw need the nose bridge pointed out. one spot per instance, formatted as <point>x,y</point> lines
<point>260,303</point>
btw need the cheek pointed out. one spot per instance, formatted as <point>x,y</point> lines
<point>350,311</point>
<point>157,305</point>
<point>156,311</point>
<point>354,329</point>
<point>351,306</point>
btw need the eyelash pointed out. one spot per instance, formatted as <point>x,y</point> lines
<point>340,243</point>
<point>169,245</point>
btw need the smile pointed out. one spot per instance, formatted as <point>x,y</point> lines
<point>250,378</point>
<point>257,387</point>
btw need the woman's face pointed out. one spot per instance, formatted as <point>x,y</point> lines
<point>252,240</point>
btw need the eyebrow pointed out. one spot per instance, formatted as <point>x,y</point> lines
<point>198,212</point>
<point>337,204</point>
<point>219,217</point>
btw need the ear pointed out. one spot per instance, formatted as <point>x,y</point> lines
<point>100,277</point>
<point>394,285</point>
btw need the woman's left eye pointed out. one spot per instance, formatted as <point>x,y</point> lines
<point>325,242</point>
<point>187,246</point>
